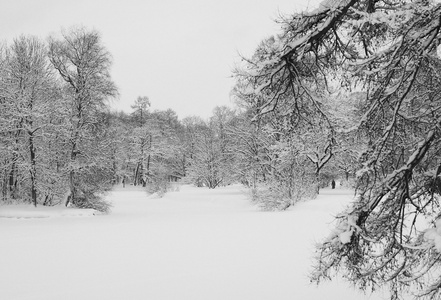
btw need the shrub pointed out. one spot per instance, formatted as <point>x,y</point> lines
<point>276,195</point>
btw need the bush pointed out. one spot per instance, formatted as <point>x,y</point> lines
<point>93,202</point>
<point>159,187</point>
<point>162,185</point>
<point>91,184</point>
<point>276,195</point>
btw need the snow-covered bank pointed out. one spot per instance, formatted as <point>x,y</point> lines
<point>30,212</point>
<point>192,244</point>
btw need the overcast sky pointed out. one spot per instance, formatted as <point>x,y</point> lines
<point>179,53</point>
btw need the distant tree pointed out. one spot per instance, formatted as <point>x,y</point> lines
<point>141,139</point>
<point>192,126</point>
<point>119,131</point>
<point>140,109</point>
<point>211,162</point>
<point>155,153</point>
<point>251,148</point>
<point>318,149</point>
<point>170,153</point>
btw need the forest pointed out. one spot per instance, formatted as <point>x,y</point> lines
<point>350,91</point>
<point>62,144</point>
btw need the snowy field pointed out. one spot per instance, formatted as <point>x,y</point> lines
<point>193,244</point>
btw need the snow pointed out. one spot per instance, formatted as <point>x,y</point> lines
<point>433,236</point>
<point>332,4</point>
<point>192,244</point>
<point>438,226</point>
<point>345,237</point>
<point>29,211</point>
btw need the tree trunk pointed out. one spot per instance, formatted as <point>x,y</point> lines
<point>33,169</point>
<point>149,157</point>
<point>317,179</point>
<point>114,167</point>
<point>136,179</point>
<point>4,185</point>
<point>73,158</point>
<point>13,177</point>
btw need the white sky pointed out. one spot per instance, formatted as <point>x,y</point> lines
<point>179,53</point>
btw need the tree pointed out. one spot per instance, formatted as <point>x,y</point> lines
<point>319,151</point>
<point>142,138</point>
<point>140,108</point>
<point>33,81</point>
<point>387,51</point>
<point>6,126</point>
<point>191,128</point>
<point>119,130</point>
<point>84,65</point>
<point>251,147</point>
<point>287,108</point>
<point>211,161</point>
<point>29,99</point>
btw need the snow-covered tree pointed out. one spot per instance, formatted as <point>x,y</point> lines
<point>166,159</point>
<point>211,158</point>
<point>250,146</point>
<point>141,139</point>
<point>155,152</point>
<point>84,65</point>
<point>140,109</point>
<point>32,80</point>
<point>387,51</point>
<point>288,109</point>
<point>31,99</point>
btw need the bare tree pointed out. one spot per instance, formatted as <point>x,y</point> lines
<point>28,90</point>
<point>211,159</point>
<point>29,70</point>
<point>142,137</point>
<point>386,50</point>
<point>84,65</point>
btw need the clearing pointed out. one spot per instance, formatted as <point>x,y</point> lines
<point>192,244</point>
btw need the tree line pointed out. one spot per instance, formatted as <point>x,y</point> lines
<point>61,144</point>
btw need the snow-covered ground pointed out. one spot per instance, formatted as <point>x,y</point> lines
<point>192,244</point>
